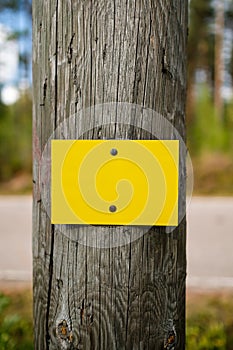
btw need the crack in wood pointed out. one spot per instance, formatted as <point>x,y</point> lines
<point>166,70</point>
<point>70,49</point>
<point>49,286</point>
<point>104,52</point>
<point>44,92</point>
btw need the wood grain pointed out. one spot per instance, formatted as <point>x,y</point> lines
<point>85,53</point>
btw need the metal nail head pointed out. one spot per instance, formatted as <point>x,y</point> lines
<point>113,151</point>
<point>112,208</point>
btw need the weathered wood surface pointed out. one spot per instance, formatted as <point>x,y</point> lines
<point>87,53</point>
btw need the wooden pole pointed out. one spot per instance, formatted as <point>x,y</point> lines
<point>87,53</point>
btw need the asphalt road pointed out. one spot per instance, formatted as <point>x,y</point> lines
<point>15,238</point>
<point>210,242</point>
<point>209,245</point>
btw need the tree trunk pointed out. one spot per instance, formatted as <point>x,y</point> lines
<point>88,53</point>
<point>219,61</point>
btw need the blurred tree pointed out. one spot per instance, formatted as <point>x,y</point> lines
<point>210,76</point>
<point>229,26</point>
<point>15,119</point>
<point>200,48</point>
<point>15,137</point>
<point>219,60</point>
<point>9,4</point>
<point>15,5</point>
<point>19,32</point>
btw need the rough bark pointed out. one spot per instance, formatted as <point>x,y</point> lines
<point>87,53</point>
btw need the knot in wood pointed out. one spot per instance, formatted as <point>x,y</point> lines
<point>63,331</point>
<point>170,341</point>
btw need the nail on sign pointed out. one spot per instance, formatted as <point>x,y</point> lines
<point>115,182</point>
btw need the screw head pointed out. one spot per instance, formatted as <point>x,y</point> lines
<point>113,152</point>
<point>112,208</point>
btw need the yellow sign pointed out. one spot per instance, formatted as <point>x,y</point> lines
<point>115,182</point>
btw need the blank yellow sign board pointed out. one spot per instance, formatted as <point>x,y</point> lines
<point>115,182</point>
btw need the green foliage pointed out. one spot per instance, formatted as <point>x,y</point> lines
<point>15,5</point>
<point>4,302</point>
<point>205,334</point>
<point>15,331</point>
<point>12,5</point>
<point>210,323</point>
<point>15,138</point>
<point>207,132</point>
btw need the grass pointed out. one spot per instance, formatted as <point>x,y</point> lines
<point>209,321</point>
<point>16,330</point>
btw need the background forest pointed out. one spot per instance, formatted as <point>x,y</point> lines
<point>209,102</point>
<point>210,95</point>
